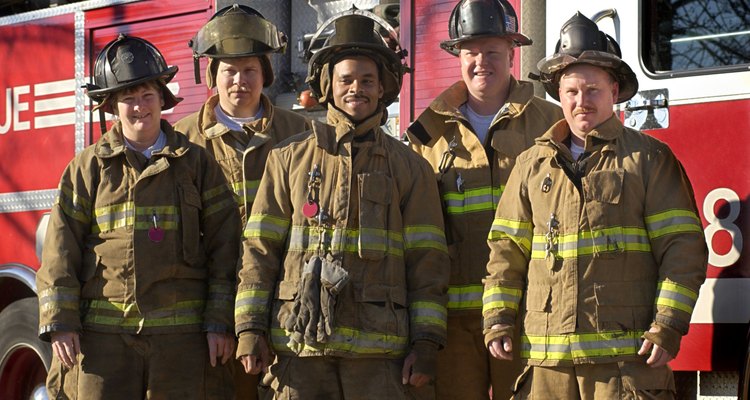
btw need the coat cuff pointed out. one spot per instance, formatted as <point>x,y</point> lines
<point>492,334</point>
<point>665,337</point>
<point>250,343</point>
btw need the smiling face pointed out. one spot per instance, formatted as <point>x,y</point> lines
<point>587,95</point>
<point>485,66</point>
<point>239,82</point>
<point>139,110</point>
<point>356,87</point>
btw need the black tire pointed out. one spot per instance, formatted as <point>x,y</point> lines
<point>24,358</point>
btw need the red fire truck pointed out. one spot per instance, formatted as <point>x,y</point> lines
<point>691,56</point>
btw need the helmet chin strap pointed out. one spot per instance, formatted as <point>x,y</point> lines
<point>102,121</point>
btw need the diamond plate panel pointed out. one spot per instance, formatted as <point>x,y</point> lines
<point>718,385</point>
<point>33,200</point>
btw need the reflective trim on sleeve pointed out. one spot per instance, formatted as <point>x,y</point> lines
<point>245,191</point>
<point>673,221</point>
<point>673,295</point>
<point>347,340</point>
<point>465,297</point>
<point>428,313</point>
<point>424,237</point>
<point>501,297</point>
<point>581,345</point>
<point>267,227</point>
<point>615,239</point>
<point>73,205</point>
<point>220,297</point>
<point>472,200</point>
<point>517,231</point>
<point>59,298</point>
<point>127,315</point>
<point>251,301</point>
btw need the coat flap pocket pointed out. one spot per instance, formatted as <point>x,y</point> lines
<point>624,294</point>
<point>375,187</point>
<point>538,297</point>
<point>604,186</point>
<point>190,196</point>
<point>637,376</point>
<point>286,290</point>
<point>508,142</point>
<point>380,294</point>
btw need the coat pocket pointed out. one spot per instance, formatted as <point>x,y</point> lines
<point>603,191</point>
<point>624,306</point>
<point>382,308</point>
<point>190,209</point>
<point>637,378</point>
<point>284,296</point>
<point>375,190</point>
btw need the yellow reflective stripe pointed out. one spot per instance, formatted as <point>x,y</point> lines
<point>59,298</point>
<point>674,295</point>
<point>102,312</point>
<point>73,205</point>
<point>673,221</point>
<point>220,296</point>
<point>308,239</point>
<point>263,226</point>
<point>614,239</point>
<point>517,231</point>
<point>344,339</point>
<point>428,313</point>
<point>424,237</point>
<point>583,345</point>
<point>473,200</point>
<point>216,207</point>
<point>501,297</point>
<point>245,191</point>
<point>209,194</point>
<point>465,297</point>
<point>126,214</point>
<point>251,301</point>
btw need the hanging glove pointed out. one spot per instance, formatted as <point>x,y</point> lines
<point>333,278</point>
<point>303,320</point>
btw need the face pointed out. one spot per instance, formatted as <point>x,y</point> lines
<point>239,82</point>
<point>356,87</point>
<point>139,110</point>
<point>485,66</point>
<point>587,95</point>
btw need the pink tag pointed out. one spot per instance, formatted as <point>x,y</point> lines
<point>156,235</point>
<point>310,209</point>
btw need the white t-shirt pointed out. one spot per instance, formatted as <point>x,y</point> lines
<point>158,145</point>
<point>234,123</point>
<point>480,123</point>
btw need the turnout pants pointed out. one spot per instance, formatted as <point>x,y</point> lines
<point>626,380</point>
<point>121,366</point>
<point>466,369</point>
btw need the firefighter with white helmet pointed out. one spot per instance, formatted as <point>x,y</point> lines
<point>138,267</point>
<point>239,125</point>
<point>344,268</point>
<point>471,134</point>
<point>598,231</point>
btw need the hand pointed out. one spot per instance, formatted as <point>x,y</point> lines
<point>219,345</point>
<point>659,357</point>
<point>253,363</point>
<point>501,348</point>
<point>66,346</point>
<point>409,377</point>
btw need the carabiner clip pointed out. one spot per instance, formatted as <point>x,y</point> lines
<point>446,161</point>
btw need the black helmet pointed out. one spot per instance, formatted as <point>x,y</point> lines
<point>126,62</point>
<point>581,42</point>
<point>354,33</point>
<point>475,19</point>
<point>237,31</point>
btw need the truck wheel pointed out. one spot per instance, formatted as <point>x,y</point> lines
<point>24,359</point>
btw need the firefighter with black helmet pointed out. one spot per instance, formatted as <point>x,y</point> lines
<point>598,231</point>
<point>471,134</point>
<point>239,125</point>
<point>138,265</point>
<point>344,266</point>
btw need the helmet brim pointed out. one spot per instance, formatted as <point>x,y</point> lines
<point>453,47</point>
<point>170,100</point>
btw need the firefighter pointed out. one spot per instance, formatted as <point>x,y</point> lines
<point>598,231</point>
<point>138,268</point>
<point>471,134</point>
<point>239,125</point>
<point>345,268</point>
